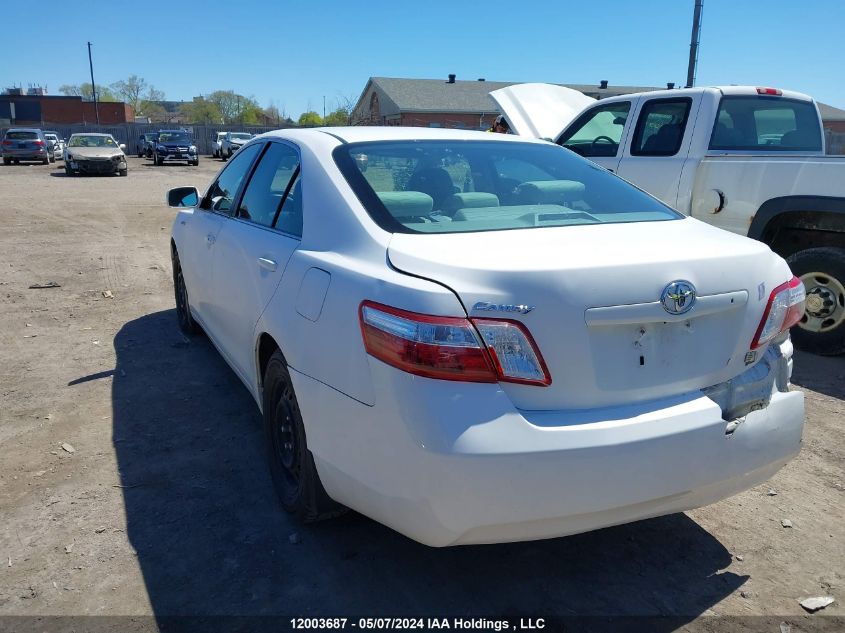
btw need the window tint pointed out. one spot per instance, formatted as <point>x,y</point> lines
<point>222,192</point>
<point>766,123</point>
<point>460,186</point>
<point>599,131</point>
<point>269,184</point>
<point>660,128</point>
<point>22,136</point>
<point>290,216</point>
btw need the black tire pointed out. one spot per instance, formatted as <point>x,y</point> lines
<point>822,330</point>
<point>196,163</point>
<point>157,160</point>
<point>53,158</point>
<point>292,466</point>
<point>46,161</point>
<point>180,290</point>
<point>7,161</point>
<point>122,172</point>
<point>222,155</point>
<point>140,153</point>
<point>68,171</point>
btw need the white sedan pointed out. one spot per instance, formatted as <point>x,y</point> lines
<point>482,338</point>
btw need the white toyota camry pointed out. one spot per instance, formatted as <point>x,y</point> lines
<point>477,338</point>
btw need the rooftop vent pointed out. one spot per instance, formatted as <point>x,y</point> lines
<point>451,79</point>
<point>481,79</point>
<point>603,84</point>
<point>670,85</point>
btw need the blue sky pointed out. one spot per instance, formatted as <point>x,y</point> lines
<point>295,53</point>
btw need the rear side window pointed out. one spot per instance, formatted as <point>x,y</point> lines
<point>270,183</point>
<point>661,126</point>
<point>21,136</point>
<point>766,124</point>
<point>457,186</point>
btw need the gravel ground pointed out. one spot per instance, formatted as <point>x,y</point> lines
<point>132,479</point>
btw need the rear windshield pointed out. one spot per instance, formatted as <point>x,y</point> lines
<point>22,136</point>
<point>767,124</point>
<point>92,141</point>
<point>461,186</point>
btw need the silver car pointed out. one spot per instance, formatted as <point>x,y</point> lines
<point>25,144</point>
<point>90,153</point>
<point>56,145</point>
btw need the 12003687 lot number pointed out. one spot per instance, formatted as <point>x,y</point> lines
<point>361,623</point>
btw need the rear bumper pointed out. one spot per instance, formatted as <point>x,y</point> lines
<point>449,464</point>
<point>26,154</point>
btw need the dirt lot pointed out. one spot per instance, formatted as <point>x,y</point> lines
<point>160,502</point>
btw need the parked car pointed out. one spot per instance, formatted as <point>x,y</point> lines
<point>746,159</point>
<point>232,142</point>
<point>56,144</point>
<point>145,144</point>
<point>25,144</point>
<point>484,338</point>
<point>216,143</point>
<point>174,145</point>
<point>91,153</point>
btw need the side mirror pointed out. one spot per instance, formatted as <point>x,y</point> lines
<point>183,197</point>
<point>122,146</point>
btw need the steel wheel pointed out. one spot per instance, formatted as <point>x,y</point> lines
<point>825,302</point>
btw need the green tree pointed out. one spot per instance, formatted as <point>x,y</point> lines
<point>310,119</point>
<point>201,111</point>
<point>228,102</point>
<point>338,117</point>
<point>84,91</point>
<point>154,110</point>
<point>249,112</point>
<point>130,90</point>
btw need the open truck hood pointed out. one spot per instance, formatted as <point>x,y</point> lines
<point>540,110</point>
<point>595,295</point>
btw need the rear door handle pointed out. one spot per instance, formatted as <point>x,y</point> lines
<point>269,264</point>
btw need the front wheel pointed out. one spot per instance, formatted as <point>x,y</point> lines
<point>183,309</point>
<point>822,329</point>
<point>122,172</point>
<point>292,466</point>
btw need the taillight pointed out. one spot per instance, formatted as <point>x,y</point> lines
<point>452,348</point>
<point>39,143</point>
<point>770,92</point>
<point>7,142</point>
<point>785,309</point>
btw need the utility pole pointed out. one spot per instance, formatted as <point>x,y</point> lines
<point>93,85</point>
<point>324,108</point>
<point>693,46</point>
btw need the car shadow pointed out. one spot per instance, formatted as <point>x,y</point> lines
<point>211,538</point>
<point>823,374</point>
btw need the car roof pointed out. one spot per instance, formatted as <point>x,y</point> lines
<point>364,133</point>
<point>24,129</point>
<point>90,134</point>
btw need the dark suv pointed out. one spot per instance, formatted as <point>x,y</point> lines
<point>175,145</point>
<point>144,145</point>
<point>25,144</point>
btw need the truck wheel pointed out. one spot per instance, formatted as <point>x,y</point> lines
<point>292,466</point>
<point>822,330</point>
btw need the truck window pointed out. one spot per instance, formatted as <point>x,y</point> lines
<point>598,132</point>
<point>767,124</point>
<point>660,128</point>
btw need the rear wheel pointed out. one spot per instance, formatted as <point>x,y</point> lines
<point>291,463</point>
<point>45,160</point>
<point>68,171</point>
<point>7,161</point>
<point>822,329</point>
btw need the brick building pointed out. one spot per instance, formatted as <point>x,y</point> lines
<point>833,119</point>
<point>39,110</point>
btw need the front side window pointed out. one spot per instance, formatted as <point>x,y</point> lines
<point>598,132</point>
<point>221,194</point>
<point>767,124</point>
<point>660,128</point>
<point>270,183</point>
<point>461,186</point>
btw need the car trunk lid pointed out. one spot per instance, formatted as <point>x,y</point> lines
<point>595,298</point>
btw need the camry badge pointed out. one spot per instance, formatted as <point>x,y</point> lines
<point>499,307</point>
<point>678,297</point>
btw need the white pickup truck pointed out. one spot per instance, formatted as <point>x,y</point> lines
<point>748,160</point>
